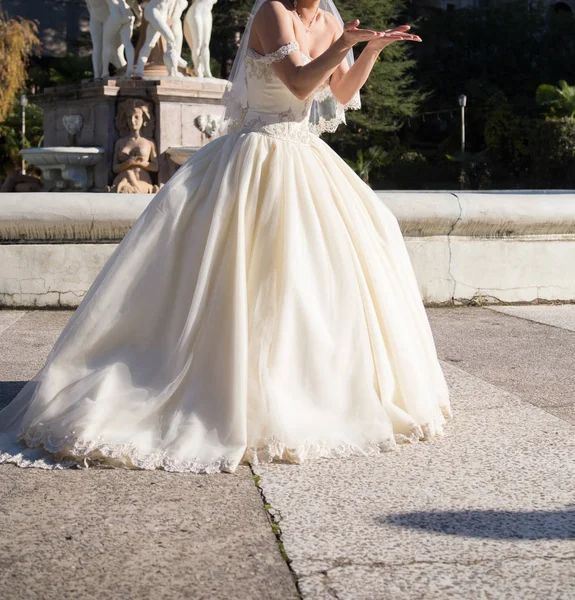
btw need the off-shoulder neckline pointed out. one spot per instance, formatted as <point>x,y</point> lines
<point>257,55</point>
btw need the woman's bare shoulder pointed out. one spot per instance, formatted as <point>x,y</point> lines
<point>272,8</point>
<point>272,26</point>
<point>332,23</point>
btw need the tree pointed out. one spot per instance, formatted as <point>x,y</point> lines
<point>10,135</point>
<point>18,40</point>
<point>552,144</point>
<point>508,48</point>
<point>558,100</point>
<point>391,94</point>
<point>497,56</point>
<point>230,18</point>
<point>366,161</point>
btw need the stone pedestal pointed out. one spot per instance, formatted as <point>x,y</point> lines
<point>177,104</point>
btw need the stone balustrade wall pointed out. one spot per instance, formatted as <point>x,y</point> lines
<point>465,247</point>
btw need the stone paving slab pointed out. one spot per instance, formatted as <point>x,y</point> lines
<point>25,341</point>
<point>468,391</point>
<point>9,317</point>
<point>488,511</point>
<point>117,534</point>
<point>446,582</point>
<point>533,360</point>
<point>559,315</point>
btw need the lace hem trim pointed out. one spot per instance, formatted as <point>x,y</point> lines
<point>72,452</point>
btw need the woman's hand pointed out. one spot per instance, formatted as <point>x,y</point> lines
<point>346,82</point>
<point>352,35</point>
<point>387,37</point>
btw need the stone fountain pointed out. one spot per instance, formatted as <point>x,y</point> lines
<point>184,107</point>
<point>66,167</point>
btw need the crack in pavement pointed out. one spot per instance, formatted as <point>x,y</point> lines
<point>275,517</point>
<point>342,563</point>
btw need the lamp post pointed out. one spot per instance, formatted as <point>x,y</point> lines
<point>23,104</point>
<point>462,104</point>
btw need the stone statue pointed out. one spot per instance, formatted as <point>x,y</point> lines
<point>198,31</point>
<point>17,182</point>
<point>137,10</point>
<point>135,156</point>
<point>111,26</point>
<point>164,18</point>
<point>206,124</point>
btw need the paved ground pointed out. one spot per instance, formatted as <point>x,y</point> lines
<point>488,512</point>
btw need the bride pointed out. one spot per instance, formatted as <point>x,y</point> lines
<point>263,306</point>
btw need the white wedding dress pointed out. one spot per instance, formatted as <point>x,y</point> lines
<point>262,307</point>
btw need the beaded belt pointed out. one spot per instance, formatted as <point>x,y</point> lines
<point>292,131</point>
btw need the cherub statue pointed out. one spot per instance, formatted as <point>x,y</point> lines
<point>111,26</point>
<point>198,31</point>
<point>164,18</point>
<point>135,156</point>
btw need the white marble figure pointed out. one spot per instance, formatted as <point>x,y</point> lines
<point>137,10</point>
<point>111,26</point>
<point>198,31</point>
<point>164,18</point>
<point>206,124</point>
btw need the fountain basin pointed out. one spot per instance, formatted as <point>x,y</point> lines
<point>180,154</point>
<point>64,166</point>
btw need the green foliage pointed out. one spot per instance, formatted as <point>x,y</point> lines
<point>507,139</point>
<point>230,18</point>
<point>510,47</point>
<point>11,136</point>
<point>405,167</point>
<point>475,171</point>
<point>552,147</point>
<point>413,170</point>
<point>497,56</point>
<point>367,160</point>
<point>18,41</point>
<point>558,101</point>
<point>390,95</point>
<point>57,71</point>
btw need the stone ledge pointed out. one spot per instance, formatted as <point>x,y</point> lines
<point>171,86</point>
<point>483,214</point>
<point>465,248</point>
<point>68,217</point>
<point>81,217</point>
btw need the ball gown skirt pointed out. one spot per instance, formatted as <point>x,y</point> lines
<point>262,307</point>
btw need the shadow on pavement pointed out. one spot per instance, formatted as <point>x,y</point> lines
<point>495,524</point>
<point>8,390</point>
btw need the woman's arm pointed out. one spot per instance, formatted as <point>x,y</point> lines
<point>273,26</point>
<point>346,82</point>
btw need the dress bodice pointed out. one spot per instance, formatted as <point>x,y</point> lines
<point>272,108</point>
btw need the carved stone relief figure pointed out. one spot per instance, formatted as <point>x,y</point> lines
<point>163,19</point>
<point>135,156</point>
<point>198,31</point>
<point>206,124</point>
<point>111,26</point>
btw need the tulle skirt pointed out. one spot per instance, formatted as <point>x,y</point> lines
<point>263,307</point>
